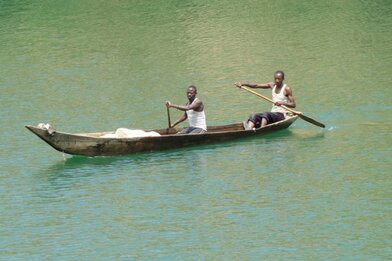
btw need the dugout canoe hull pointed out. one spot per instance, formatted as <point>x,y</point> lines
<point>92,144</point>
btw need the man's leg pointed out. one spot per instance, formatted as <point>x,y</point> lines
<point>263,122</point>
<point>197,131</point>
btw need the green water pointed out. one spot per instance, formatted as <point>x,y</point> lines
<point>300,194</point>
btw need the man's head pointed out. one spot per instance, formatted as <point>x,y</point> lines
<point>279,77</point>
<point>193,87</point>
<point>191,92</point>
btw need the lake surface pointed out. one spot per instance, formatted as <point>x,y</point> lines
<point>304,193</point>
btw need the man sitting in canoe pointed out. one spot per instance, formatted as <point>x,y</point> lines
<point>281,95</point>
<point>193,111</point>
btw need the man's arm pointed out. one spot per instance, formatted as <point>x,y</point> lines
<point>290,97</point>
<point>179,120</point>
<point>268,85</point>
<point>196,106</point>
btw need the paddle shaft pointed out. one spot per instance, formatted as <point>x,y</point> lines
<point>168,116</point>
<point>268,99</point>
<point>302,116</point>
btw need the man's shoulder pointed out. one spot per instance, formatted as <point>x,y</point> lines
<point>287,89</point>
<point>197,100</point>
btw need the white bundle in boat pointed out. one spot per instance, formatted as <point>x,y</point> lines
<point>47,127</point>
<point>129,133</point>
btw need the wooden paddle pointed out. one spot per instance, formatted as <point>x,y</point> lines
<point>168,117</point>
<point>306,118</point>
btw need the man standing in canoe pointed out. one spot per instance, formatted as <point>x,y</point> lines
<point>281,95</point>
<point>193,111</point>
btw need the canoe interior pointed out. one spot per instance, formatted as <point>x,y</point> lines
<point>171,131</point>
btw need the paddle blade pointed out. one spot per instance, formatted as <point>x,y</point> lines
<point>313,121</point>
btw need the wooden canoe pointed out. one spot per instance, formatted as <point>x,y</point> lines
<point>92,144</point>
